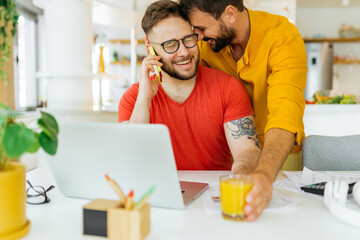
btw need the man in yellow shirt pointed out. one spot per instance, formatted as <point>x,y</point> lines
<point>267,54</point>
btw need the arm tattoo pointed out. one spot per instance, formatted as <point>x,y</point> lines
<point>244,127</point>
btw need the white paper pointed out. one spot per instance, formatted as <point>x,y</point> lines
<point>310,177</point>
<point>278,202</point>
<point>212,197</point>
<point>347,177</point>
<point>286,184</point>
<point>294,177</point>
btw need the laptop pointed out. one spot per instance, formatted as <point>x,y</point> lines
<point>136,156</point>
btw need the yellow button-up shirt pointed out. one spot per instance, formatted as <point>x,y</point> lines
<point>273,71</point>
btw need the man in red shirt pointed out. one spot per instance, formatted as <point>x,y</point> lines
<point>208,112</point>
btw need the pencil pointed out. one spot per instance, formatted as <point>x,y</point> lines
<point>144,197</point>
<point>129,204</point>
<point>117,189</point>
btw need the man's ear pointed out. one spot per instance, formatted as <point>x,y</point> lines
<point>229,14</point>
<point>147,44</point>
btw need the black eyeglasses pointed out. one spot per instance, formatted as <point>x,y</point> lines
<point>171,46</point>
<point>37,194</point>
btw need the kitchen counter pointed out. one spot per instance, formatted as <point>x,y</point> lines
<point>325,108</point>
<point>332,119</point>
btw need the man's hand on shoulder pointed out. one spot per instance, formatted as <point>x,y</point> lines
<point>259,197</point>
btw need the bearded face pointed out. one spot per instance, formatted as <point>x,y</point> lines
<point>174,67</point>
<point>224,37</point>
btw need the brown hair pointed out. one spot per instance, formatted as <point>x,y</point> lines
<point>158,11</point>
<point>214,7</point>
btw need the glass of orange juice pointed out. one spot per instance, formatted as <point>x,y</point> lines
<point>233,191</point>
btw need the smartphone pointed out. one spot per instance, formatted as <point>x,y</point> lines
<point>157,69</point>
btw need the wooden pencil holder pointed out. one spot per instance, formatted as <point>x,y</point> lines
<point>105,218</point>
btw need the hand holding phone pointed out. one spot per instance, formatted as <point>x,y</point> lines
<point>157,69</point>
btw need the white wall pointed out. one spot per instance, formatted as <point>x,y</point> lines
<point>285,8</point>
<point>115,22</point>
<point>332,120</point>
<point>327,22</point>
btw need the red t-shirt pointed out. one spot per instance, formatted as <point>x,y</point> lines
<point>197,125</point>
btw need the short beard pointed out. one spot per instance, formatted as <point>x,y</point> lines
<point>178,75</point>
<point>226,35</point>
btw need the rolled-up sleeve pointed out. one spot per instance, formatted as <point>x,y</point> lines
<point>286,85</point>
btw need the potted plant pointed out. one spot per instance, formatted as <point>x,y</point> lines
<point>16,139</point>
<point>8,23</point>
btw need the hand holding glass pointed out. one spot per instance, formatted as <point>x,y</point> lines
<point>233,191</point>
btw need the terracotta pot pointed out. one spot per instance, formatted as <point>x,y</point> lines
<point>13,222</point>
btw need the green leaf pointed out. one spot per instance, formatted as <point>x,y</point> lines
<point>49,125</point>
<point>45,129</point>
<point>50,121</point>
<point>17,140</point>
<point>4,106</point>
<point>35,147</point>
<point>49,145</point>
<point>8,13</point>
<point>2,130</point>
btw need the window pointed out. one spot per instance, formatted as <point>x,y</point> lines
<point>25,66</point>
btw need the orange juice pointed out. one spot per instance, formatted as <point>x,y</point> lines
<point>233,190</point>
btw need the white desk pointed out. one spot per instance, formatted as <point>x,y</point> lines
<point>310,219</point>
